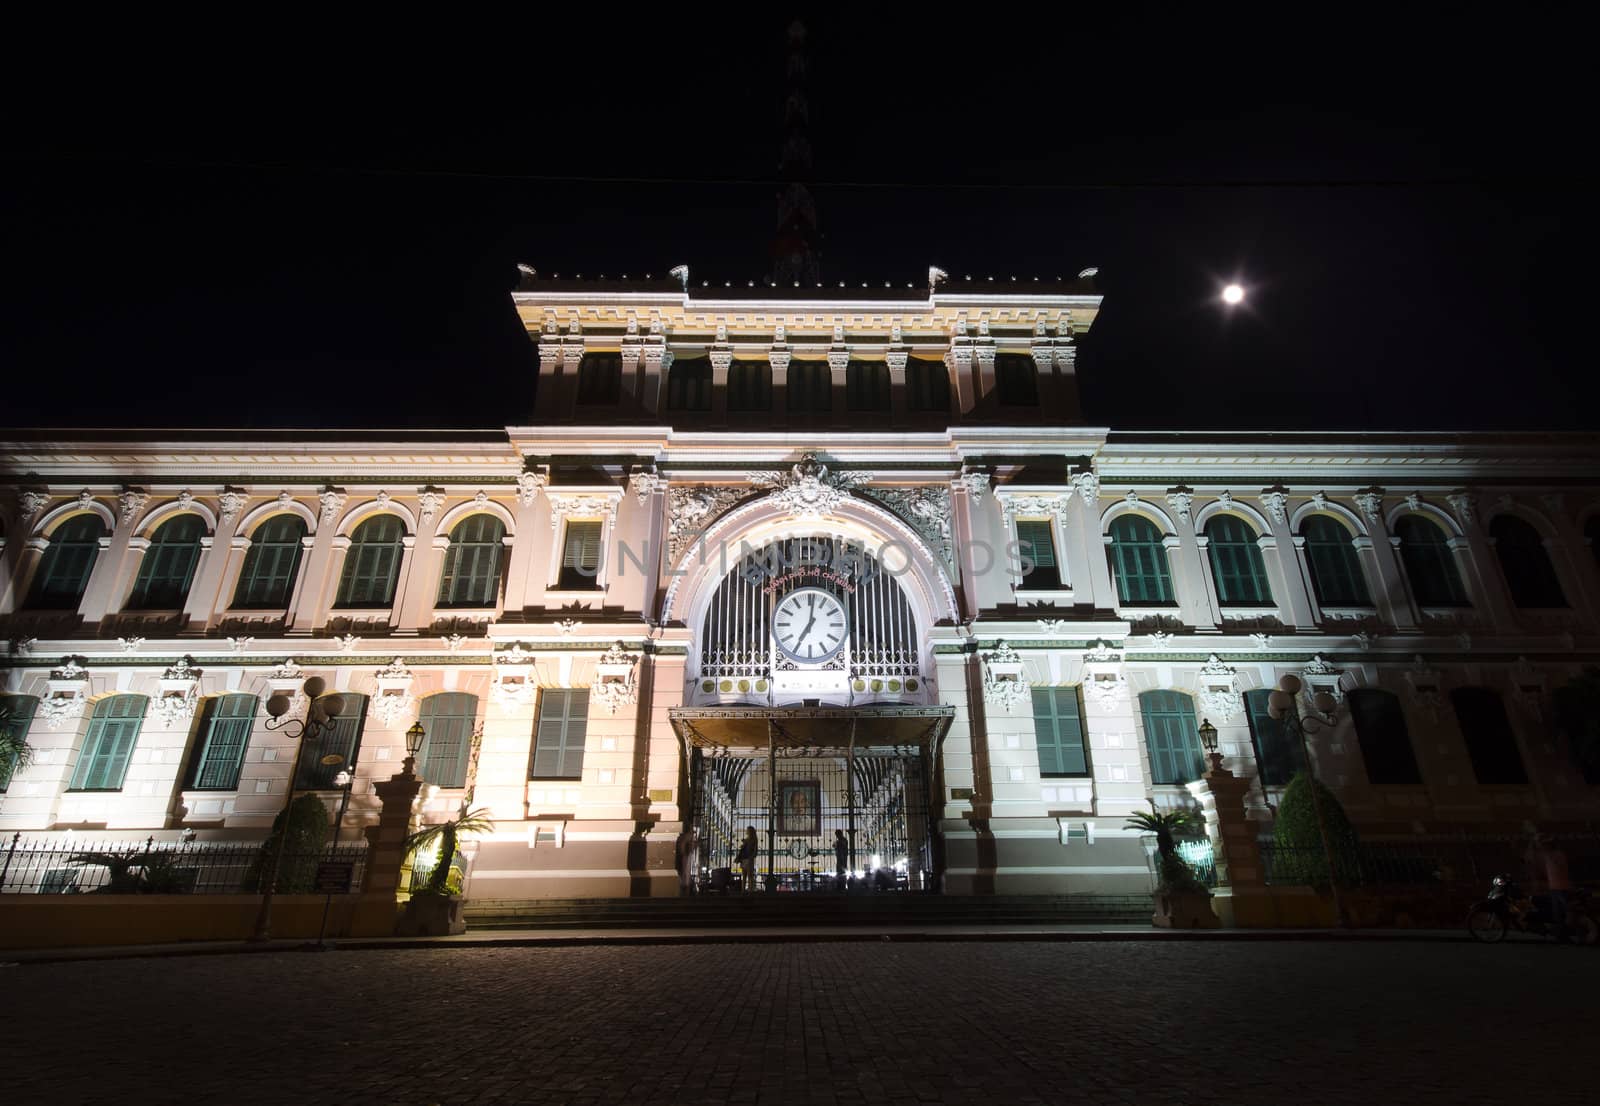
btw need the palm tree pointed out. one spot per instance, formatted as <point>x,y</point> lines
<point>447,833</point>
<point>1171,871</point>
<point>15,752</point>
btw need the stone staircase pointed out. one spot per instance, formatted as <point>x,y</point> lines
<point>756,911</point>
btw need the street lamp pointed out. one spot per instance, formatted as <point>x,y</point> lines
<point>1208,740</point>
<point>1282,705</point>
<point>1233,295</point>
<point>321,713</point>
<point>414,739</point>
<point>344,781</point>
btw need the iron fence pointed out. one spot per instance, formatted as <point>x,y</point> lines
<point>1423,860</point>
<point>58,867</point>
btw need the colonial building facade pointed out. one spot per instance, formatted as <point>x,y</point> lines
<point>802,560</point>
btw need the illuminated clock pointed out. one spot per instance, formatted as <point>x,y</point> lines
<point>809,625</point>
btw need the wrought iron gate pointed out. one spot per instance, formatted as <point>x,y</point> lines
<point>796,799</point>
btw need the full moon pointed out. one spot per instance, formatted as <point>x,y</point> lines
<point>1232,294</point>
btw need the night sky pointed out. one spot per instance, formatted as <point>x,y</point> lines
<point>317,236</point>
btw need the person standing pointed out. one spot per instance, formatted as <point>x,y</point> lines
<point>841,857</point>
<point>688,860</point>
<point>747,858</point>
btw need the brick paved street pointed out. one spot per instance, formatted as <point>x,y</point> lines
<point>994,1024</point>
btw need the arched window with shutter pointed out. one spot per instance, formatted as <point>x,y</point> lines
<point>1525,562</point>
<point>341,738</point>
<point>224,735</point>
<point>472,563</point>
<point>1139,563</point>
<point>372,563</point>
<point>447,720</point>
<point>1278,756</point>
<point>1171,736</point>
<point>167,569</point>
<point>1384,739</point>
<point>63,572</point>
<point>1336,574</point>
<point>270,564</point>
<point>108,746</point>
<point>1236,563</point>
<point>1430,564</point>
<point>1486,729</point>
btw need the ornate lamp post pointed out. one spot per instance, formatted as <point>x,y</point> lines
<point>321,713</point>
<point>1208,741</point>
<point>1282,705</point>
<point>414,738</point>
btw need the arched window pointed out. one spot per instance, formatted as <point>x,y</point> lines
<point>372,563</point>
<point>448,720</point>
<point>1236,563</point>
<point>1491,744</point>
<point>1139,563</point>
<point>1335,567</point>
<point>16,717</point>
<point>1278,756</point>
<point>267,578</point>
<point>472,563</point>
<point>113,731</point>
<point>68,559</point>
<point>750,386</point>
<point>1381,732</point>
<point>599,379</point>
<point>927,385</point>
<point>1430,564</point>
<point>810,387</point>
<point>1172,736</point>
<point>1526,563</point>
<point>866,386</point>
<point>689,385</point>
<point>224,735</point>
<point>167,569</point>
<point>1016,379</point>
<point>342,738</point>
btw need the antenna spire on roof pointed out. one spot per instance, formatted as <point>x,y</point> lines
<point>794,246</point>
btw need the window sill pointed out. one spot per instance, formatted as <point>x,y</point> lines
<point>1042,593</point>
<point>574,593</point>
<point>93,791</point>
<point>256,612</point>
<point>555,779</point>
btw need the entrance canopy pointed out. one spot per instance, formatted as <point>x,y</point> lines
<point>717,728</point>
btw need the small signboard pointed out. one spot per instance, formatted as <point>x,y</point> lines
<point>332,759</point>
<point>334,877</point>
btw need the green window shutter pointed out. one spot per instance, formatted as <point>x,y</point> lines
<point>372,563</point>
<point>689,385</point>
<point>1491,743</point>
<point>343,737</point>
<point>1058,731</point>
<point>108,745</point>
<point>1525,563</point>
<point>63,573</point>
<point>1016,379</point>
<point>1036,539</point>
<point>271,564</point>
<point>559,734</point>
<point>1236,563</point>
<point>1278,757</point>
<point>810,387</point>
<point>1335,566</point>
<point>750,386</point>
<point>16,718</point>
<point>1139,562</point>
<point>927,385</point>
<point>167,567</point>
<point>1382,735</point>
<point>1172,737</point>
<point>866,385</point>
<point>448,721</point>
<point>1430,564</point>
<point>472,563</point>
<point>225,734</point>
<point>599,378</point>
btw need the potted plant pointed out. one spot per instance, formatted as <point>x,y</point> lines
<point>434,909</point>
<point>1181,900</point>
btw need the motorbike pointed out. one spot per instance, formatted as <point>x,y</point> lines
<point>1507,909</point>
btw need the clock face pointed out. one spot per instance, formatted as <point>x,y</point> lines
<point>809,625</point>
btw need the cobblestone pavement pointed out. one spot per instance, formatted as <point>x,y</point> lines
<point>1298,1023</point>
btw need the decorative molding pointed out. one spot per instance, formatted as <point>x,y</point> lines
<point>1317,666</point>
<point>1370,502</point>
<point>1160,639</point>
<point>1465,506</point>
<point>1263,642</point>
<point>1053,627</point>
<point>130,644</point>
<point>976,483</point>
<point>454,642</point>
<point>393,700</point>
<point>239,644</point>
<point>565,506</point>
<point>808,490</point>
<point>1276,500</point>
<point>645,484</point>
<point>1087,485</point>
<point>613,686</point>
<point>531,483</point>
<point>68,693</point>
<point>926,509</point>
<point>692,509</point>
<point>178,694</point>
<point>30,503</point>
<point>1215,666</point>
<point>333,502</point>
<point>1106,689</point>
<point>1424,686</point>
<point>1225,500</point>
<point>1366,640</point>
<point>1014,504</point>
<point>232,501</point>
<point>129,503</point>
<point>1103,652</point>
<point>1004,684</point>
<point>1218,690</point>
<point>514,685</point>
<point>429,500</point>
<point>185,500</point>
<point>348,643</point>
<point>23,646</point>
<point>1181,500</point>
<point>568,626</point>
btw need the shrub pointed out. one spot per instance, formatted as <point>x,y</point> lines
<point>302,851</point>
<point>1298,849</point>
